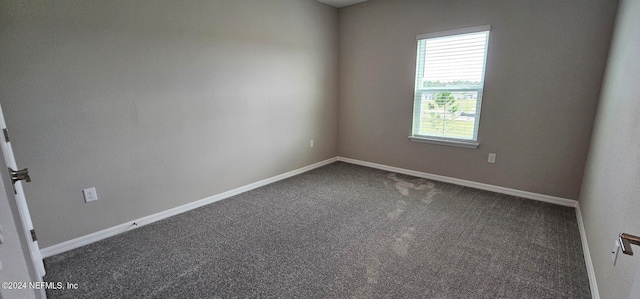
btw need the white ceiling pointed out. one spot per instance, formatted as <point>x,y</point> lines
<point>340,3</point>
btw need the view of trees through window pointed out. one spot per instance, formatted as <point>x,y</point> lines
<point>449,114</point>
<point>449,83</point>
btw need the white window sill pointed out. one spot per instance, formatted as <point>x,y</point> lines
<point>447,142</point>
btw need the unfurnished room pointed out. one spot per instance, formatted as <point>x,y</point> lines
<point>320,149</point>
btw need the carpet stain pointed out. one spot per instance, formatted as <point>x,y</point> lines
<point>429,196</point>
<point>404,186</point>
<point>403,240</point>
<point>400,208</point>
<point>401,185</point>
<point>373,273</point>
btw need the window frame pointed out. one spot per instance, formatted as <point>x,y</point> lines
<point>419,75</point>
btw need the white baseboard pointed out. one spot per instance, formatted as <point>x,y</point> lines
<point>587,256</point>
<point>514,192</point>
<point>112,231</point>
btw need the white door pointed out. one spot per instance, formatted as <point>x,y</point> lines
<point>21,202</point>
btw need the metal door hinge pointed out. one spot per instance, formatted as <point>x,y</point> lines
<point>33,235</point>
<point>6,135</point>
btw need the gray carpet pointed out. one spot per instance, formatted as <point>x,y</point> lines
<point>340,231</point>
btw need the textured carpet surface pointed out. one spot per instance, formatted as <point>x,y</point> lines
<point>340,231</point>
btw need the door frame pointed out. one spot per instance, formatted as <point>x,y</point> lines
<point>21,203</point>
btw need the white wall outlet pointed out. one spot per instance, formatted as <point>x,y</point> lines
<point>90,194</point>
<point>492,158</point>
<point>614,252</point>
<point>311,143</point>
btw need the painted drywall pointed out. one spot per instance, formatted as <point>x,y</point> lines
<point>14,254</point>
<point>544,69</point>
<point>158,103</point>
<point>610,197</point>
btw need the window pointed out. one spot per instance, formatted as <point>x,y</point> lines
<point>449,82</point>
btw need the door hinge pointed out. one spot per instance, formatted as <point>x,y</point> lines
<point>6,135</point>
<point>33,235</point>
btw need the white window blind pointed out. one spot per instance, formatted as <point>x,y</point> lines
<point>449,82</point>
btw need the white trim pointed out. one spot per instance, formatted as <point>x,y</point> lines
<point>587,256</point>
<point>454,32</point>
<point>443,141</point>
<point>22,206</point>
<point>514,192</point>
<point>112,231</point>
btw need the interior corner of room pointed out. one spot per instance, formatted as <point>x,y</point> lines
<point>165,106</point>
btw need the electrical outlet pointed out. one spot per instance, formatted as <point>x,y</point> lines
<point>311,143</point>
<point>492,158</point>
<point>614,253</point>
<point>90,194</point>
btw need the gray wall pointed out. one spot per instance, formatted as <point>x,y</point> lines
<point>158,103</point>
<point>610,198</point>
<point>544,68</point>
